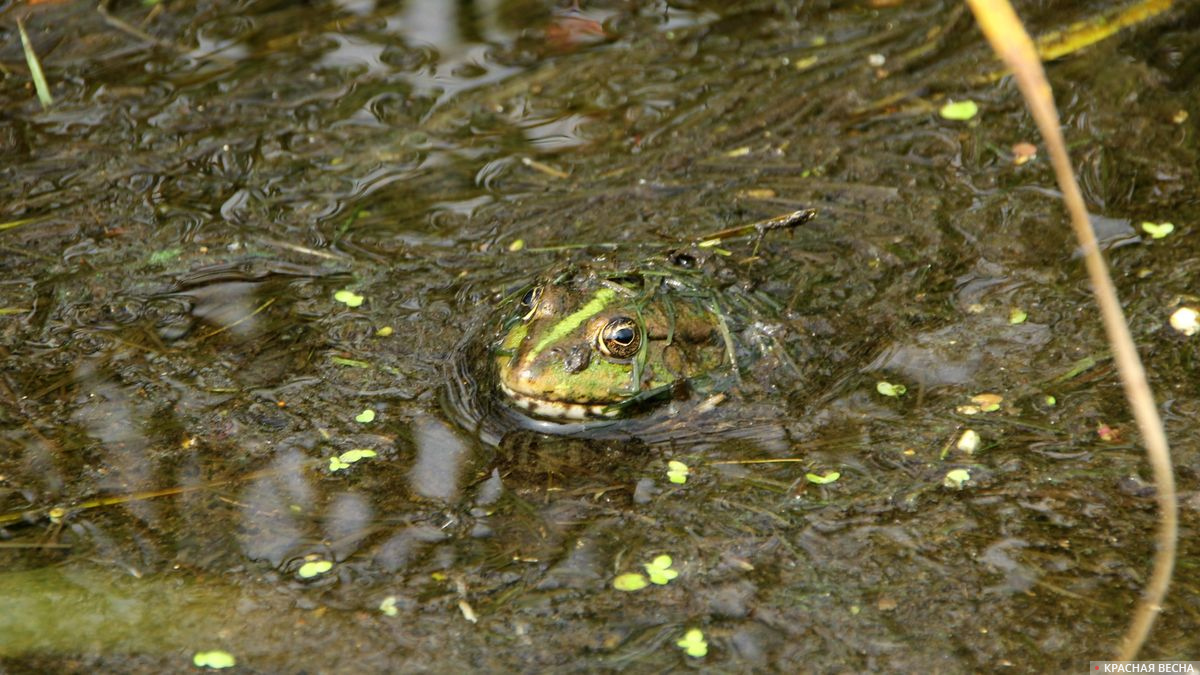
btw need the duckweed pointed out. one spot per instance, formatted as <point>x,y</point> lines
<point>693,643</point>
<point>677,472</point>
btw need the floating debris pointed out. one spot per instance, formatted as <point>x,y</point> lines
<point>988,402</point>
<point>677,472</point>
<point>216,659</point>
<point>890,389</point>
<point>388,606</point>
<point>314,568</point>
<point>344,460</point>
<point>1158,230</point>
<point>348,298</point>
<point>544,168</point>
<point>1186,320</point>
<point>968,442</point>
<point>981,403</point>
<point>805,63</point>
<point>365,417</point>
<point>759,193</point>
<point>468,611</point>
<point>1107,433</point>
<point>693,643</point>
<point>660,570</point>
<point>955,478</point>
<point>827,478</point>
<point>959,111</point>
<point>1023,152</point>
<point>630,582</point>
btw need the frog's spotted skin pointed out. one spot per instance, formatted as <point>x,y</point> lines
<point>582,345</point>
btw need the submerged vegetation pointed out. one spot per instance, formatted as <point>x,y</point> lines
<point>256,257</point>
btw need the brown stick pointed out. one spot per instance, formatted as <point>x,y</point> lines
<point>1008,37</point>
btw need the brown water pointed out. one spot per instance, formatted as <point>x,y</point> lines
<point>177,375</point>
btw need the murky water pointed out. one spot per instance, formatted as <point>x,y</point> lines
<point>182,395</point>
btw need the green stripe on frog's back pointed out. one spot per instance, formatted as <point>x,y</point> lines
<point>574,320</point>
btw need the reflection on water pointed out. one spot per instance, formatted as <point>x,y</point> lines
<point>176,375</point>
<point>347,521</point>
<point>404,546</point>
<point>227,305</point>
<point>115,418</point>
<point>274,509</point>
<point>437,470</point>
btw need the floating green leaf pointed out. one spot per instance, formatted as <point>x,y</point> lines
<point>693,643</point>
<point>677,472</point>
<point>352,456</point>
<point>959,111</point>
<point>660,570</point>
<point>1050,400</point>
<point>1158,230</point>
<point>349,457</point>
<point>889,389</point>
<point>956,477</point>
<point>661,577</point>
<point>348,298</point>
<point>365,417</point>
<point>829,477</point>
<point>516,245</point>
<point>1017,316</point>
<point>388,606</point>
<point>215,658</point>
<point>630,582</point>
<point>314,568</point>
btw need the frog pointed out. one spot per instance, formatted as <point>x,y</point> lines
<point>586,343</point>
<point>595,341</point>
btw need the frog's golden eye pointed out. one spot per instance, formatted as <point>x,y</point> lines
<point>529,302</point>
<point>620,338</point>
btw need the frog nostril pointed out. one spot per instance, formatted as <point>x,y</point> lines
<point>526,377</point>
<point>577,359</point>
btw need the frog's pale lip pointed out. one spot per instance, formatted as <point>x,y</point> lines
<point>557,409</point>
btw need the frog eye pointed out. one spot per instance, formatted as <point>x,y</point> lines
<point>529,302</point>
<point>620,338</point>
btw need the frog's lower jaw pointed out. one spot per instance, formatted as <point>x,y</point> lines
<point>557,409</point>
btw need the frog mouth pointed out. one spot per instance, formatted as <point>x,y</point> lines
<point>551,409</point>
